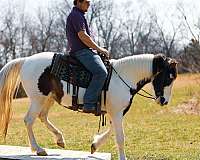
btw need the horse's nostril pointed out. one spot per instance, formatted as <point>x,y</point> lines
<point>162,100</point>
<point>166,103</point>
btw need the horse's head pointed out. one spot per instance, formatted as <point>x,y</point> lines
<point>165,71</point>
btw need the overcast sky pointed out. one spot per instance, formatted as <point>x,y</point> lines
<point>162,7</point>
<point>159,5</point>
<point>165,9</point>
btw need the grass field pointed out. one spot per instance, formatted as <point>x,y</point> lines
<point>152,132</point>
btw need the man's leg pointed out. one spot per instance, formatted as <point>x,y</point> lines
<point>95,65</point>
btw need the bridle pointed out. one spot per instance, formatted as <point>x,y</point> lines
<point>136,91</point>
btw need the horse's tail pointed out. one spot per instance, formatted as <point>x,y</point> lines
<point>9,81</point>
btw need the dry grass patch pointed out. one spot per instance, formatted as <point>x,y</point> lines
<point>191,107</point>
<point>187,80</point>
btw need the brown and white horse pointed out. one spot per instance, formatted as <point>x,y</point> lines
<point>42,90</point>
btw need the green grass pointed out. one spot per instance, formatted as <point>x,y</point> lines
<point>152,132</point>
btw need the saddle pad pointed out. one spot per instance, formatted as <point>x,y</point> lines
<point>70,70</point>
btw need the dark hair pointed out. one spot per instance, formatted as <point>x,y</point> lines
<point>75,1</point>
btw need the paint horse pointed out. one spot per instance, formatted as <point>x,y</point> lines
<point>131,74</point>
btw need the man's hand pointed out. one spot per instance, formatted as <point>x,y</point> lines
<point>87,40</point>
<point>103,51</point>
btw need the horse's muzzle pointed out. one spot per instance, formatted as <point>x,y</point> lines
<point>162,101</point>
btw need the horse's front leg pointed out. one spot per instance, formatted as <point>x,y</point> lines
<point>119,133</point>
<point>100,140</point>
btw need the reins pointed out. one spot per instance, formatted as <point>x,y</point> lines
<point>134,91</point>
<point>150,95</point>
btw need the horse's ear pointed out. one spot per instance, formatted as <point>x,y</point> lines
<point>159,63</point>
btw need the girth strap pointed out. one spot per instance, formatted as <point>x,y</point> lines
<point>75,104</point>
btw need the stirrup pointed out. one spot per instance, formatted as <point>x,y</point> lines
<point>77,107</point>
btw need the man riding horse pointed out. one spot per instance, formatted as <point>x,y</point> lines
<point>81,45</point>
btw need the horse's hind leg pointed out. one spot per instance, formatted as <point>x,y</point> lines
<point>44,118</point>
<point>32,114</point>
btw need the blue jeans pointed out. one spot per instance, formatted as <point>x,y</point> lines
<point>94,64</point>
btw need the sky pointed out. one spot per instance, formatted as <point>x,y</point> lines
<point>165,9</point>
<point>159,5</point>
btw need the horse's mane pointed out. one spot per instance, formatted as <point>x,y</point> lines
<point>139,65</point>
<point>135,60</point>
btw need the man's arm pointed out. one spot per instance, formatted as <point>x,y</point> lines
<point>87,40</point>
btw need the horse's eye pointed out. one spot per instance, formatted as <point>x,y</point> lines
<point>171,76</point>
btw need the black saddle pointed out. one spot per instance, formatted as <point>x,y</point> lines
<point>67,68</point>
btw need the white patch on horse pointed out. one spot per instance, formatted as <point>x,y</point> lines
<point>167,92</point>
<point>31,70</point>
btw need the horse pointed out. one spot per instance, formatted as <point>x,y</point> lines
<point>131,74</point>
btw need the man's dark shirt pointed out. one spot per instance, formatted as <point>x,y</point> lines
<point>76,22</point>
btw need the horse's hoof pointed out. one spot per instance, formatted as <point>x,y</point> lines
<point>93,148</point>
<point>62,145</point>
<point>33,150</point>
<point>43,153</point>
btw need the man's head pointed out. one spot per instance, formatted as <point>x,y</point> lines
<point>82,4</point>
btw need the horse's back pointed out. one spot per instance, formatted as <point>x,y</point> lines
<point>32,69</point>
<point>37,59</point>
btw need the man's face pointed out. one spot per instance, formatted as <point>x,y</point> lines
<point>84,5</point>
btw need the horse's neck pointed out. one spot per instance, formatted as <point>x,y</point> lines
<point>135,68</point>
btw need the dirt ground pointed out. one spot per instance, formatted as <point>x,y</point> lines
<point>192,107</point>
<point>187,79</point>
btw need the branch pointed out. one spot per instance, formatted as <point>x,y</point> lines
<point>185,18</point>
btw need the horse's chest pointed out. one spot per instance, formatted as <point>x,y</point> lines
<point>119,94</point>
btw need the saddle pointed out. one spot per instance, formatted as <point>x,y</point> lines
<point>67,68</point>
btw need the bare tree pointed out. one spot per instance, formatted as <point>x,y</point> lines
<point>9,35</point>
<point>190,56</point>
<point>62,10</point>
<point>167,39</point>
<point>107,27</point>
<point>4,44</point>
<point>41,32</point>
<point>23,28</point>
<point>133,30</point>
<point>182,11</point>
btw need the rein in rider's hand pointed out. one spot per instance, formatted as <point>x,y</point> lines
<point>104,52</point>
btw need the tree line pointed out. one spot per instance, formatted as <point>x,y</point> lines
<point>123,32</point>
